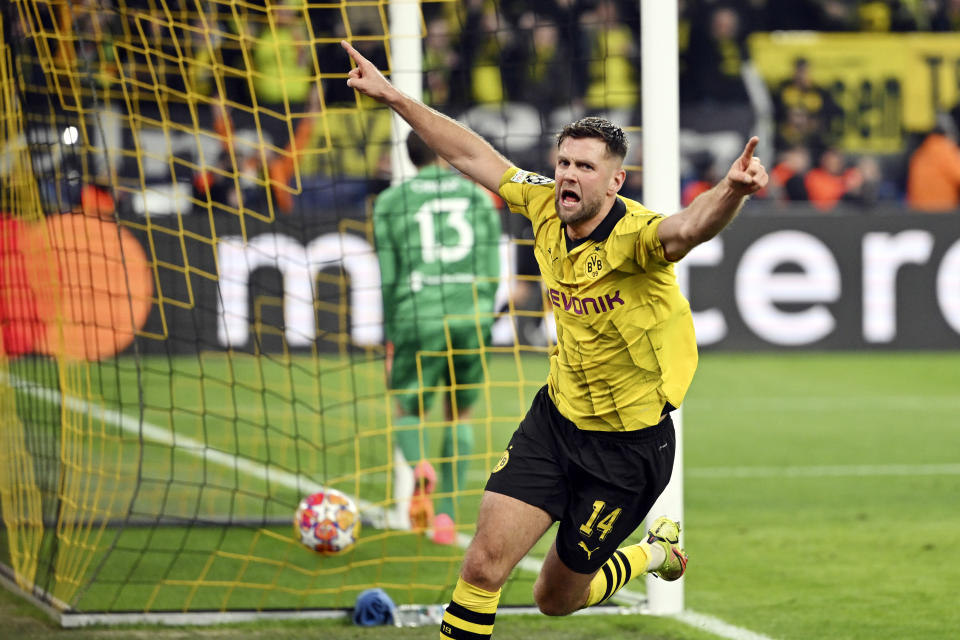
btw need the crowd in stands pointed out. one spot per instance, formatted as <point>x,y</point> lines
<point>541,63</point>
<point>516,72</point>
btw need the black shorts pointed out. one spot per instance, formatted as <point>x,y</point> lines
<point>598,484</point>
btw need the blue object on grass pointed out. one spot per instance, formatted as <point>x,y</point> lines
<point>374,607</point>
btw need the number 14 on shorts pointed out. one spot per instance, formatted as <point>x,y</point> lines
<point>605,525</point>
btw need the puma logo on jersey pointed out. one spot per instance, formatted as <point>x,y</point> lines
<point>588,550</point>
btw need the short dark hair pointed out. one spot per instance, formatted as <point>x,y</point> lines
<point>420,154</point>
<point>601,128</point>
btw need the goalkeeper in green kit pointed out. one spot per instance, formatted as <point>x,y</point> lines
<point>437,237</point>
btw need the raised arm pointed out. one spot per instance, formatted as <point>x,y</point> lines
<point>452,141</point>
<point>713,210</point>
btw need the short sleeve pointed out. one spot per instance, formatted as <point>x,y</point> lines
<point>526,193</point>
<point>648,240</point>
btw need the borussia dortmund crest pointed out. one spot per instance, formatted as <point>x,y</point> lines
<point>503,461</point>
<point>594,266</point>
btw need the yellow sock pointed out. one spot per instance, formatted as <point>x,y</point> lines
<point>624,564</point>
<point>470,614</point>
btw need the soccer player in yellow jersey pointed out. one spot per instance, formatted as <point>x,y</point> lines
<point>597,446</point>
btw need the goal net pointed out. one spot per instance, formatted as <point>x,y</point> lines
<point>190,298</point>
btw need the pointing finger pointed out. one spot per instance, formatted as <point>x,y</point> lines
<point>748,151</point>
<point>352,52</point>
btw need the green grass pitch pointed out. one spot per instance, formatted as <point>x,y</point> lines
<point>820,491</point>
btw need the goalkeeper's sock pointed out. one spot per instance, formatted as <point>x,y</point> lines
<point>406,452</point>
<point>403,485</point>
<point>471,613</point>
<point>625,563</point>
<point>407,437</point>
<point>454,465</point>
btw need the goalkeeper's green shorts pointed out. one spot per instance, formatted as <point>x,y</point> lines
<point>424,361</point>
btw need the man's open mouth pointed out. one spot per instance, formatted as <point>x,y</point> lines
<point>568,197</point>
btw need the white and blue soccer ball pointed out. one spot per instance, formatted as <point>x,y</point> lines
<point>327,522</point>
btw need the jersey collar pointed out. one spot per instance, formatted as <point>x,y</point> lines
<point>603,230</point>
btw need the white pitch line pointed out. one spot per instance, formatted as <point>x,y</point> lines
<point>827,471</point>
<point>717,627</point>
<point>819,404</point>
<point>299,483</point>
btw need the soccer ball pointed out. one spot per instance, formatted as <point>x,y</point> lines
<point>327,522</point>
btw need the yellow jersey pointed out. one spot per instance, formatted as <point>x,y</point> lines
<point>625,341</point>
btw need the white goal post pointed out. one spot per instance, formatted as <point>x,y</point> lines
<point>406,50</point>
<point>661,192</point>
